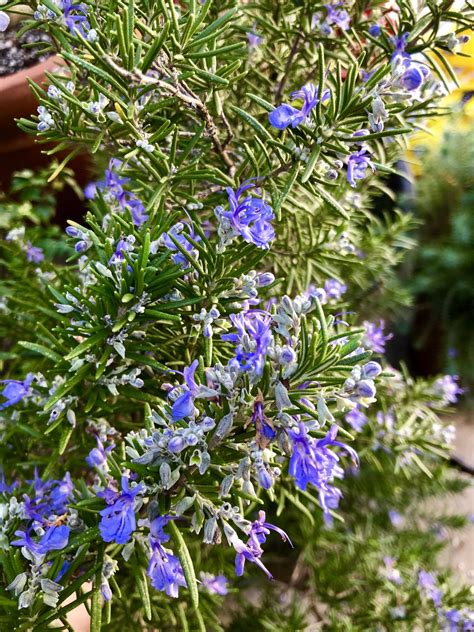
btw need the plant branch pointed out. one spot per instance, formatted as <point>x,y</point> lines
<point>188,97</point>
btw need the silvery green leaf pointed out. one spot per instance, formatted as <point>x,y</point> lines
<point>119,348</point>
<point>128,550</point>
<point>103,270</point>
<point>165,475</point>
<point>324,414</point>
<point>205,462</point>
<point>184,504</point>
<point>281,397</point>
<point>175,474</point>
<point>223,428</point>
<point>226,486</point>
<point>210,528</point>
<point>18,584</point>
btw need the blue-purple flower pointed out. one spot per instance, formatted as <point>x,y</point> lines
<point>97,457</point>
<point>215,584</point>
<point>118,519</point>
<point>399,43</point>
<point>180,235</point>
<point>448,388</point>
<point>356,419</point>
<point>49,498</point>
<point>248,216</point>
<point>396,519</point>
<point>413,77</point>
<point>124,246</point>
<point>253,339</point>
<point>334,289</point>
<point>34,254</point>
<point>391,572</point>
<point>427,582</point>
<point>313,462</point>
<point>16,390</point>
<point>357,165</point>
<point>113,188</point>
<point>265,430</point>
<point>75,17</point>
<point>285,115</point>
<point>374,336</point>
<point>4,487</point>
<point>338,16</point>
<point>164,568</point>
<point>54,539</point>
<point>253,38</point>
<point>183,406</point>
<point>252,551</point>
<point>375,30</point>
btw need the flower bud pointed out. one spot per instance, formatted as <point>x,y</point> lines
<point>176,444</point>
<point>371,370</point>
<point>366,388</point>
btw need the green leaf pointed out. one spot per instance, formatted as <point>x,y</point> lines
<point>96,605</point>
<point>186,563</point>
<point>64,440</point>
<point>334,204</point>
<point>248,118</point>
<point>312,160</point>
<point>87,344</point>
<point>142,585</point>
<point>41,350</point>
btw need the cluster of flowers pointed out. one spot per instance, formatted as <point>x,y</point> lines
<point>112,187</point>
<point>74,15</point>
<point>404,84</point>
<point>449,619</point>
<point>48,521</point>
<point>34,254</point>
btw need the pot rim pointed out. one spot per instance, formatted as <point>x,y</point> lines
<point>19,78</point>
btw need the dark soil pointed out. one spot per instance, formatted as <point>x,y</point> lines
<point>13,54</point>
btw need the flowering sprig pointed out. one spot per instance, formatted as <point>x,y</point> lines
<point>209,341</point>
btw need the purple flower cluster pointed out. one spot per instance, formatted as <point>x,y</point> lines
<point>113,189</point>
<point>285,115</point>
<point>252,551</point>
<point>447,388</point>
<point>118,518</point>
<point>357,164</point>
<point>45,509</point>
<point>313,462</point>
<point>16,390</point>
<point>410,75</point>
<point>253,339</point>
<point>179,235</point>
<point>374,336</point>
<point>248,216</point>
<point>75,17</point>
<point>337,16</point>
<point>34,254</point>
<point>452,620</point>
<point>164,568</point>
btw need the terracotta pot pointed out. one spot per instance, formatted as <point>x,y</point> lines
<point>21,151</point>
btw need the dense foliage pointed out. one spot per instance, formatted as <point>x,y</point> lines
<point>443,266</point>
<point>202,350</point>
